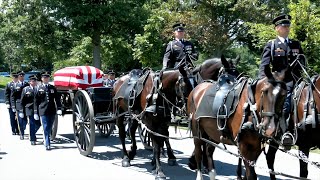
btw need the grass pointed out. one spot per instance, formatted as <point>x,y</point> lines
<point>4,81</point>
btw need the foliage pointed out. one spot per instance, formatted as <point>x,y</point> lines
<point>4,81</point>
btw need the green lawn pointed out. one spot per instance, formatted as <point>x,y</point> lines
<point>4,81</point>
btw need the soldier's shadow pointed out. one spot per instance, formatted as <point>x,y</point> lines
<point>2,153</point>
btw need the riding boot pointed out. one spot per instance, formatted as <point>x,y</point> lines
<point>287,139</point>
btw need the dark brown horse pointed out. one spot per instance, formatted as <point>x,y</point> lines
<point>267,93</point>
<point>306,99</point>
<point>156,113</point>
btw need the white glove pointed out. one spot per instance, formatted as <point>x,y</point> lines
<point>36,117</point>
<point>59,112</point>
<point>8,106</point>
<point>13,110</point>
<point>21,115</point>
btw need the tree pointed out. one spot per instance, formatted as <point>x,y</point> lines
<point>97,18</point>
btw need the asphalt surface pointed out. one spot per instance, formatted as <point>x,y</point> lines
<point>21,161</point>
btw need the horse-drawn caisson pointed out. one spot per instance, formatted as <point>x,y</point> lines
<point>83,94</point>
<point>229,110</point>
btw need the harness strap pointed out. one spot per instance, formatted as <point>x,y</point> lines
<point>252,105</point>
<point>305,109</point>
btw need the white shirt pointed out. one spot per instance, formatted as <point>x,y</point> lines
<point>282,39</point>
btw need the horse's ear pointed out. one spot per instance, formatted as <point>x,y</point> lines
<point>267,72</point>
<point>224,62</point>
<point>237,60</point>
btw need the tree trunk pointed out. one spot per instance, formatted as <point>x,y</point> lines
<point>96,42</point>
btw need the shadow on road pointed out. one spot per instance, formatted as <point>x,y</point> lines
<point>2,153</point>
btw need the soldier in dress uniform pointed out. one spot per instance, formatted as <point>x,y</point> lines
<point>282,53</point>
<point>111,79</point>
<point>47,105</point>
<point>12,113</point>
<point>179,49</point>
<point>27,101</point>
<point>16,102</point>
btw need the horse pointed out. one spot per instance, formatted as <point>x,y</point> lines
<point>305,119</point>
<point>268,93</point>
<point>153,105</point>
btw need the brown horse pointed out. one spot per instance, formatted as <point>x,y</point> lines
<point>267,92</point>
<point>306,99</point>
<point>156,113</point>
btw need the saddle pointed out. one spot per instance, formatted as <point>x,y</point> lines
<point>221,100</point>
<point>133,86</point>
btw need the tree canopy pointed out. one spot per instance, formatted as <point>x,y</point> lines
<point>126,34</point>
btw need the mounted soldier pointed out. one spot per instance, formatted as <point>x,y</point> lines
<point>27,101</point>
<point>12,112</point>
<point>180,53</point>
<point>16,102</point>
<point>284,53</point>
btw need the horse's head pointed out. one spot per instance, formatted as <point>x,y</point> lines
<point>270,94</point>
<point>229,67</point>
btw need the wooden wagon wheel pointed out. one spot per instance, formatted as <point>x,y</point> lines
<point>83,122</point>
<point>105,130</point>
<point>54,128</point>
<point>145,138</point>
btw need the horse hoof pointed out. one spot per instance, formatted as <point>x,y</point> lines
<point>132,154</point>
<point>172,162</point>
<point>160,178</point>
<point>126,162</point>
<point>205,171</point>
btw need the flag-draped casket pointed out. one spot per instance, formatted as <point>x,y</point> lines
<point>78,77</point>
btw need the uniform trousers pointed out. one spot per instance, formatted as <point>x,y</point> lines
<point>34,127</point>
<point>13,121</point>
<point>22,125</point>
<point>47,122</point>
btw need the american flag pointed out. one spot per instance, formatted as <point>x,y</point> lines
<point>78,77</point>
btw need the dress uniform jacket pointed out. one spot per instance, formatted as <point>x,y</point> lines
<point>16,95</point>
<point>8,90</point>
<point>177,50</point>
<point>27,99</point>
<point>283,55</point>
<point>46,100</point>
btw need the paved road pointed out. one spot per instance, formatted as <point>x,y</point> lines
<point>19,160</point>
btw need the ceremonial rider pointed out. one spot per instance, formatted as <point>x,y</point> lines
<point>179,52</point>
<point>8,92</point>
<point>27,101</point>
<point>284,53</point>
<point>16,103</point>
<point>47,105</point>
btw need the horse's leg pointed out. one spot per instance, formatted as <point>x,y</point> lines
<point>250,172</point>
<point>270,156</point>
<point>171,157</point>
<point>122,136</point>
<point>133,128</point>
<point>210,164</point>
<point>303,165</point>
<point>198,157</point>
<point>158,142</point>
<point>239,169</point>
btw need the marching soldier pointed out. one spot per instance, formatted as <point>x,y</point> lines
<point>46,101</point>
<point>27,101</point>
<point>12,112</point>
<point>282,53</point>
<point>16,102</point>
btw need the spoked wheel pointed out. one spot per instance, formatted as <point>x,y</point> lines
<point>105,130</point>
<point>145,138</point>
<point>54,128</point>
<point>83,122</point>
